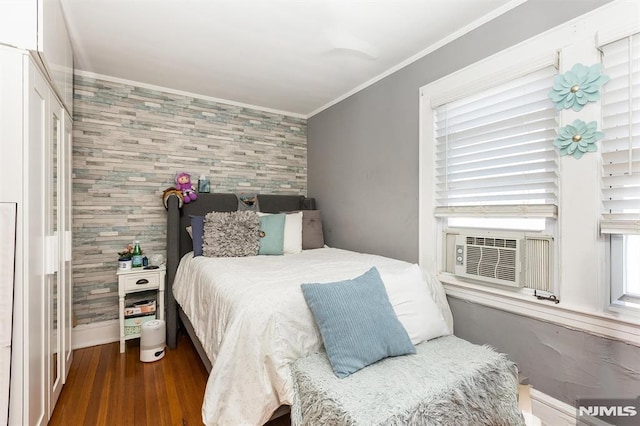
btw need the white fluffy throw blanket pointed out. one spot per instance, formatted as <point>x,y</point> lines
<point>449,381</point>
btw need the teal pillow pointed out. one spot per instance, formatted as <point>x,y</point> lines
<point>272,234</point>
<point>357,322</point>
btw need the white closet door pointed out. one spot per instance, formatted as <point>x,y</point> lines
<point>54,229</point>
<point>35,134</point>
<point>34,264</point>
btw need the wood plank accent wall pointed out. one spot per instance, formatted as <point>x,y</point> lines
<point>128,144</point>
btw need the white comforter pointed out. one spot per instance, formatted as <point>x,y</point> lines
<point>253,321</point>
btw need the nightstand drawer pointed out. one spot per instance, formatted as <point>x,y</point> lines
<point>139,282</point>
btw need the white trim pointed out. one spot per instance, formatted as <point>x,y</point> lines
<point>608,226</point>
<point>520,210</point>
<point>97,333</point>
<point>183,93</point>
<point>437,45</point>
<point>484,74</point>
<point>617,33</point>
<point>611,325</point>
<point>489,71</point>
<point>551,411</point>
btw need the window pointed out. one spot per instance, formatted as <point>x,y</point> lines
<point>496,172</point>
<point>625,271</point>
<point>563,192</point>
<point>621,167</point>
<point>632,266</point>
<point>496,166</point>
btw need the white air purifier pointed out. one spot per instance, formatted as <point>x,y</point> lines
<point>152,340</point>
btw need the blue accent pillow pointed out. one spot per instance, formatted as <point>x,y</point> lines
<point>197,233</point>
<point>357,322</point>
<point>272,241</point>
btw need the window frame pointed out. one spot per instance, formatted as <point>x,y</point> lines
<point>618,229</point>
<point>546,212</point>
<point>478,77</point>
<point>617,290</point>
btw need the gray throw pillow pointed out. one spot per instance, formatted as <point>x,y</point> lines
<point>312,235</point>
<point>231,234</point>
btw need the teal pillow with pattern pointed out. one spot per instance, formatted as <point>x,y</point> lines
<point>272,234</point>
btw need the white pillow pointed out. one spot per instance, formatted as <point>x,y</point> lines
<point>413,304</point>
<point>292,232</point>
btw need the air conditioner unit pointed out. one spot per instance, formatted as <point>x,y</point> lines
<point>496,260</point>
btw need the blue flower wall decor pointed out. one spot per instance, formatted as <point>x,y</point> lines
<point>577,138</point>
<point>575,88</point>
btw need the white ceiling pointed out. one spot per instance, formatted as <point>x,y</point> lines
<point>295,56</point>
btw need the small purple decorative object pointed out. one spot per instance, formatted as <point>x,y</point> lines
<point>183,183</point>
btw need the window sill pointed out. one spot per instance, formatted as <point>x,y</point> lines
<point>612,324</point>
<point>627,305</point>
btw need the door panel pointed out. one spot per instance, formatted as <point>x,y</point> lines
<point>67,283</point>
<point>35,317</point>
<point>54,230</point>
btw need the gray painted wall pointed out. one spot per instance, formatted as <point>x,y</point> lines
<point>363,170</point>
<point>560,362</point>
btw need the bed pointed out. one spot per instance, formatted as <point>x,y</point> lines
<point>180,243</point>
<point>247,316</point>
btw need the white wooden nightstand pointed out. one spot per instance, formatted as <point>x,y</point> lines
<point>136,280</point>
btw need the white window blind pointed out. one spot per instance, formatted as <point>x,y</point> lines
<point>495,153</point>
<point>621,144</point>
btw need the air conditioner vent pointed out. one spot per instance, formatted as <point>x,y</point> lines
<point>517,262</point>
<point>538,264</point>
<point>492,242</point>
<point>489,259</point>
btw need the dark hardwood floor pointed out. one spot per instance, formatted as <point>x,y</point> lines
<point>106,387</point>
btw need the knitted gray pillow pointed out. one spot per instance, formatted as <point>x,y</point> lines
<point>232,234</point>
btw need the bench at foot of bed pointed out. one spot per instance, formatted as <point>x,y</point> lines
<point>449,381</point>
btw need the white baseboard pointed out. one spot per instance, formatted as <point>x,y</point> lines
<point>551,411</point>
<point>94,334</point>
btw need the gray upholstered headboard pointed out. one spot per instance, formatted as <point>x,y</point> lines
<point>179,243</point>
